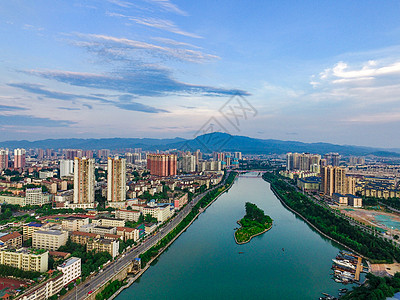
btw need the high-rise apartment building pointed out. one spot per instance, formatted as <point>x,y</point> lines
<point>188,163</point>
<point>103,153</point>
<point>84,181</point>
<point>332,159</point>
<point>238,155</point>
<point>333,180</point>
<point>162,164</point>
<point>72,153</point>
<point>3,159</point>
<point>302,161</point>
<point>66,167</point>
<point>116,179</point>
<point>19,158</point>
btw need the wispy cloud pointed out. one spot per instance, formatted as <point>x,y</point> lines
<point>32,27</point>
<point>120,3</point>
<point>69,108</point>
<point>122,103</point>
<point>21,120</point>
<point>386,117</point>
<point>168,6</point>
<point>10,108</point>
<point>144,80</point>
<point>163,24</point>
<point>175,43</point>
<point>41,90</point>
<point>116,48</point>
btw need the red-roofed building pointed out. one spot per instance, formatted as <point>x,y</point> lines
<point>128,233</point>
<point>82,238</point>
<point>12,240</point>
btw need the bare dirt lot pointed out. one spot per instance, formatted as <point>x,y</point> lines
<point>381,219</point>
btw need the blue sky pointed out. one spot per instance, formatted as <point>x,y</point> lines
<point>304,70</point>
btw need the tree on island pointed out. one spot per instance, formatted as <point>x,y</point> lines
<point>254,213</point>
<point>253,223</point>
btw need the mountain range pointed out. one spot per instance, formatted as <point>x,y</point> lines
<point>216,141</point>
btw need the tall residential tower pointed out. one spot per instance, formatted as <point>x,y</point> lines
<point>116,179</point>
<point>84,181</point>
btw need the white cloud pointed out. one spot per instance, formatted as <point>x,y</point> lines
<point>168,6</point>
<point>120,3</point>
<point>369,70</point>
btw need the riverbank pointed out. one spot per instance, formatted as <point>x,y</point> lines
<point>161,250</point>
<point>310,224</point>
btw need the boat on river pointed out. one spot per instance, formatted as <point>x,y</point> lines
<point>344,263</point>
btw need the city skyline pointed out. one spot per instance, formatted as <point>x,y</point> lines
<point>313,71</point>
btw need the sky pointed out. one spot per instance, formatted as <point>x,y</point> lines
<point>310,71</point>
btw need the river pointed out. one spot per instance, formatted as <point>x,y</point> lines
<point>290,261</point>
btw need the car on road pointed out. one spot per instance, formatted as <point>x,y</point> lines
<point>90,292</point>
<point>87,284</point>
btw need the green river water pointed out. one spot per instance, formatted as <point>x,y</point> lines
<point>290,261</point>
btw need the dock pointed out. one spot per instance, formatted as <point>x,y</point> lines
<point>350,272</point>
<point>359,269</point>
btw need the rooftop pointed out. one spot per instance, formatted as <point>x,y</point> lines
<point>34,224</point>
<point>104,227</point>
<point>69,262</point>
<point>10,236</point>
<point>50,231</point>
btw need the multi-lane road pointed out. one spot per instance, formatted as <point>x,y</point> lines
<point>100,278</point>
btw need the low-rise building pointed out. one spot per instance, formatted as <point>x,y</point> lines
<point>15,200</point>
<point>104,245</point>
<point>339,199</point>
<point>109,222</point>
<point>354,201</point>
<point>82,238</point>
<point>11,240</point>
<point>44,290</point>
<point>25,259</point>
<point>117,205</point>
<point>29,229</point>
<point>128,233</point>
<point>128,215</point>
<point>180,201</point>
<point>74,223</point>
<point>312,183</point>
<point>49,239</point>
<point>35,196</point>
<point>150,227</point>
<point>71,269</point>
<point>161,212</point>
<point>102,230</point>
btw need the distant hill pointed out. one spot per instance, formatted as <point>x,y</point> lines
<point>206,143</point>
<point>86,144</point>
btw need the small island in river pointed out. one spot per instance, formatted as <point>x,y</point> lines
<point>254,223</point>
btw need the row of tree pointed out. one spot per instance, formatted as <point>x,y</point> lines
<point>369,245</point>
<point>109,290</point>
<point>18,273</point>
